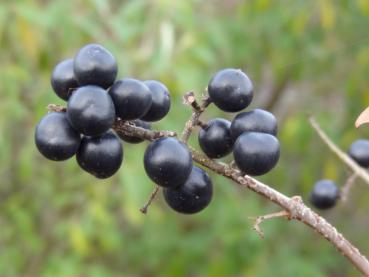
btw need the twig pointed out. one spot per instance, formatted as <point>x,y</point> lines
<point>358,170</point>
<point>345,190</point>
<point>260,219</point>
<point>294,206</point>
<point>190,99</point>
<point>150,200</point>
<point>56,108</point>
<point>127,129</point>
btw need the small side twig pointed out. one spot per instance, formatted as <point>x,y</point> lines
<point>261,219</point>
<point>340,154</point>
<point>345,190</point>
<point>56,108</point>
<point>150,200</point>
<point>202,124</point>
<point>190,99</point>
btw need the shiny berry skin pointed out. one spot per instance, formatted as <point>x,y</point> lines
<point>215,139</point>
<point>131,97</point>
<point>257,120</point>
<point>90,110</point>
<point>168,162</point>
<point>359,151</point>
<point>160,101</point>
<point>193,196</point>
<point>95,65</point>
<point>63,79</point>
<point>324,194</point>
<point>230,90</point>
<point>55,138</point>
<point>256,153</point>
<point>101,155</point>
<point>137,123</point>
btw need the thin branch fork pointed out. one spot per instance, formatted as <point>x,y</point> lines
<point>346,159</point>
<point>190,99</point>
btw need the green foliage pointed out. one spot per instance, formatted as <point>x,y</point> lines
<point>56,220</point>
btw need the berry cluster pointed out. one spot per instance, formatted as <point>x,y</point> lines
<point>325,192</point>
<point>96,100</point>
<point>251,135</point>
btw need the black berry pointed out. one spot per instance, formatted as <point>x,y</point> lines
<point>193,196</point>
<point>257,120</point>
<point>95,65</point>
<point>131,97</point>
<point>101,155</point>
<point>168,162</point>
<point>230,90</point>
<point>256,153</point>
<point>55,138</point>
<point>215,139</point>
<point>160,101</point>
<point>137,123</point>
<point>359,151</point>
<point>90,110</point>
<point>324,194</point>
<point>63,79</point>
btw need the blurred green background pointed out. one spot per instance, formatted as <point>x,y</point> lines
<point>303,57</point>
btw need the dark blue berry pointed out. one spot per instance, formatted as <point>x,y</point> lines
<point>95,65</point>
<point>230,90</point>
<point>193,196</point>
<point>101,155</point>
<point>55,138</point>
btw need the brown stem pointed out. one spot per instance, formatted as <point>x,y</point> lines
<point>294,206</point>
<point>151,199</point>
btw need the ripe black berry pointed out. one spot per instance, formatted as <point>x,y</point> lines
<point>168,162</point>
<point>230,90</point>
<point>256,153</point>
<point>215,139</point>
<point>137,123</point>
<point>63,79</point>
<point>324,194</point>
<point>160,101</point>
<point>95,65</point>
<point>131,97</point>
<point>193,196</point>
<point>55,138</point>
<point>101,155</point>
<point>257,120</point>
<point>90,110</point>
<point>359,151</point>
